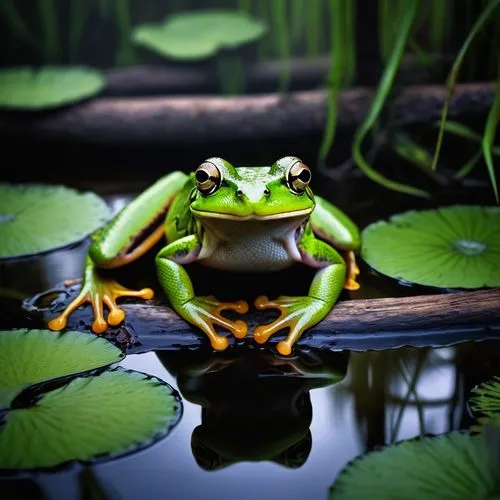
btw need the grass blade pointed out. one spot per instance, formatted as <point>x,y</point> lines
<point>378,103</point>
<point>50,29</point>
<point>125,54</point>
<point>80,13</point>
<point>489,137</point>
<point>16,22</point>
<point>452,77</point>
<point>468,167</point>
<point>334,74</point>
<point>280,20</point>
<point>439,19</point>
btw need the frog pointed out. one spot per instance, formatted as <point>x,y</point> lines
<point>237,219</point>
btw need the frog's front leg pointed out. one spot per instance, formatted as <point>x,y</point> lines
<point>203,312</point>
<point>300,313</point>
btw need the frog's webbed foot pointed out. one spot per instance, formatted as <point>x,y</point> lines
<point>352,272</point>
<point>205,313</point>
<point>297,314</point>
<point>100,292</point>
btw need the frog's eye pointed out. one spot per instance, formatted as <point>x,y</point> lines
<point>208,178</point>
<point>298,177</point>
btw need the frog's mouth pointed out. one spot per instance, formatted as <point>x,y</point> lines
<point>253,216</point>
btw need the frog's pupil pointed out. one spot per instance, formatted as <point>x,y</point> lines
<point>202,176</point>
<point>305,175</point>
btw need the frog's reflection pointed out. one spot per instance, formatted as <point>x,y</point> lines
<point>255,405</point>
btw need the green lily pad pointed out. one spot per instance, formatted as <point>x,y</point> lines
<point>26,88</point>
<point>485,401</point>
<point>92,418</point>
<point>32,356</point>
<point>199,34</point>
<point>451,466</point>
<point>450,247</point>
<point>36,218</point>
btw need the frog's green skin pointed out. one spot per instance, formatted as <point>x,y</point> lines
<point>252,219</point>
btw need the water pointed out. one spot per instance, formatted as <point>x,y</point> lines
<point>258,426</point>
<point>366,409</point>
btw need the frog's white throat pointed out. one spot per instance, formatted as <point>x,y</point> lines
<point>252,243</point>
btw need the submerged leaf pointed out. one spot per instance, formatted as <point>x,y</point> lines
<point>31,356</point>
<point>49,87</point>
<point>451,247</point>
<point>199,34</point>
<point>450,466</point>
<point>36,218</point>
<point>104,416</point>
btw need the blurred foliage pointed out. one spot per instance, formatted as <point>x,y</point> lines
<point>366,42</point>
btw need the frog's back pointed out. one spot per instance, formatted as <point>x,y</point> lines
<point>179,221</point>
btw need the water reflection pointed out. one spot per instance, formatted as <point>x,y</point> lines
<point>255,405</point>
<point>255,409</point>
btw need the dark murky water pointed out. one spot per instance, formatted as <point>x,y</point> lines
<point>257,426</point>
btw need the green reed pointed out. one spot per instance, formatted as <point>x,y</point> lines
<point>451,82</point>
<point>342,64</point>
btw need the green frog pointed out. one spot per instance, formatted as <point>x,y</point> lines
<point>258,219</point>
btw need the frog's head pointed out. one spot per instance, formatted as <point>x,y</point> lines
<point>254,193</point>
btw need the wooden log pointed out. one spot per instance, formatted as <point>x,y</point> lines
<point>419,321</point>
<point>187,121</point>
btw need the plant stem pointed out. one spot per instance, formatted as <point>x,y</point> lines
<point>489,138</point>
<point>452,77</point>
<point>280,20</point>
<point>383,90</point>
<point>230,72</point>
<point>335,73</point>
<point>50,28</point>
<point>17,24</point>
<point>125,54</point>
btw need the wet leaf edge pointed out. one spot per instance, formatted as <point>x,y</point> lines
<point>333,489</point>
<point>103,219</point>
<point>106,457</point>
<point>414,284</point>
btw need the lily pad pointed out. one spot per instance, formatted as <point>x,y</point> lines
<point>485,401</point>
<point>450,247</point>
<point>92,418</point>
<point>199,34</point>
<point>32,356</point>
<point>451,466</point>
<point>27,88</point>
<point>36,218</point>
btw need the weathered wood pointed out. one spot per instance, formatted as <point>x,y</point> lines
<point>185,121</point>
<point>425,320</point>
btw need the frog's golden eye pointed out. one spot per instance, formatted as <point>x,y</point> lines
<point>298,177</point>
<point>208,178</point>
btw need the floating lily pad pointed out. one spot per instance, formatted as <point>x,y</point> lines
<point>36,218</point>
<point>450,466</point>
<point>451,247</point>
<point>199,34</point>
<point>31,356</point>
<point>90,418</point>
<point>485,400</point>
<point>27,88</point>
